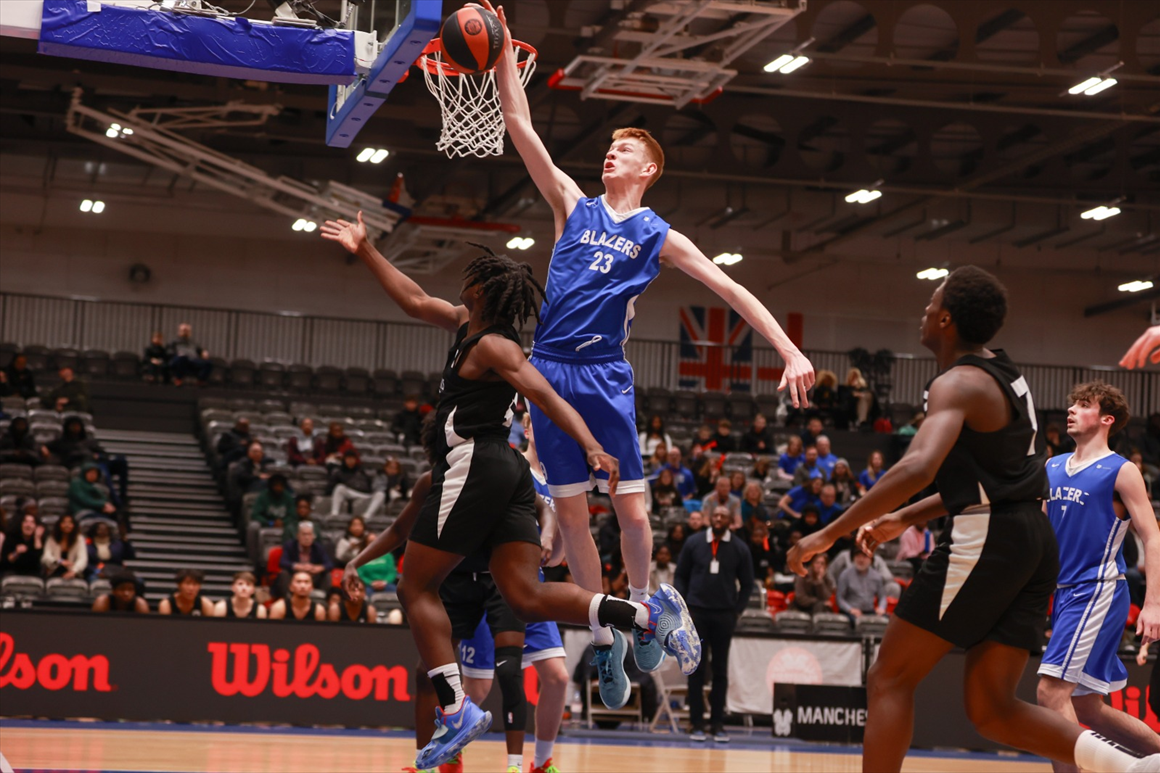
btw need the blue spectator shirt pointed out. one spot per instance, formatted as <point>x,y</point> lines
<point>800,496</point>
<point>827,463</point>
<point>789,464</point>
<point>828,514</point>
<point>868,482</point>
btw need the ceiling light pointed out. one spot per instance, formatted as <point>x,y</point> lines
<point>727,258</point>
<point>1083,86</point>
<point>112,133</point>
<point>365,155</point>
<point>520,243</point>
<point>373,155</point>
<point>310,226</point>
<point>932,273</point>
<point>1092,86</point>
<point>1136,286</point>
<point>780,62</point>
<point>1103,85</point>
<point>87,205</point>
<point>1100,213</point>
<point>863,196</point>
<point>380,156</point>
<point>797,63</point>
<point>98,207</point>
<point>299,225</point>
<point>126,131</point>
<point>787,63</point>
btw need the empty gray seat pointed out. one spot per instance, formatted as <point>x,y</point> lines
<point>830,624</point>
<point>791,621</point>
<point>74,588</point>
<point>21,585</point>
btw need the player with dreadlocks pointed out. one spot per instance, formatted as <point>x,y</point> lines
<point>482,495</point>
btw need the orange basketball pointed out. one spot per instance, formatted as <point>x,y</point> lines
<point>472,39</point>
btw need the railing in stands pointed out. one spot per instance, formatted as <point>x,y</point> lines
<point>85,323</point>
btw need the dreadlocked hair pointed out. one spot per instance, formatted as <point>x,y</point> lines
<point>509,288</point>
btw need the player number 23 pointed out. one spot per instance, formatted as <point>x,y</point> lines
<point>603,263</point>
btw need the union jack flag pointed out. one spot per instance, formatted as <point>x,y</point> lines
<point>717,350</point>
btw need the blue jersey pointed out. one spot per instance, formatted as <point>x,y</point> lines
<point>600,265</point>
<point>1090,535</point>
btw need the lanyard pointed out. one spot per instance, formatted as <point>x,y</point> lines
<point>715,544</point>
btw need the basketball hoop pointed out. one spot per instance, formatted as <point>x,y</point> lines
<point>472,118</point>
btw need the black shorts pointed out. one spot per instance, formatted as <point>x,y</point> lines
<point>482,495</point>
<point>467,597</point>
<point>989,579</point>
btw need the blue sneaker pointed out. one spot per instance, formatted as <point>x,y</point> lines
<point>671,624</point>
<point>648,652</point>
<point>452,733</point>
<point>614,685</point>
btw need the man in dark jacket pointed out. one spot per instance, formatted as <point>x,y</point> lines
<point>350,482</point>
<point>20,378</point>
<point>232,445</point>
<point>715,575</point>
<point>188,357</point>
<point>71,394</point>
<point>408,421</point>
<point>18,446</point>
<point>74,447</point>
<point>304,554</point>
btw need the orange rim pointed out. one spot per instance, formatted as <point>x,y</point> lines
<point>432,61</point>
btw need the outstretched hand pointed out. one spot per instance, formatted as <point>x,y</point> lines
<point>351,236</point>
<point>1146,344</point>
<point>879,532</point>
<point>803,552</point>
<point>798,378</point>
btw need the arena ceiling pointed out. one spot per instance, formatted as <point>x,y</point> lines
<point>959,112</point>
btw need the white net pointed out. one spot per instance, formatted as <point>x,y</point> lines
<point>472,118</point>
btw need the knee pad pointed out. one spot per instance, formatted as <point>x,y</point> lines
<point>509,672</point>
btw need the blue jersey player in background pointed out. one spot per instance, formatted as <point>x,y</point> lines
<point>608,250</point>
<point>1095,496</point>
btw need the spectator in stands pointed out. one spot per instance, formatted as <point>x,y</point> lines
<point>664,491</point>
<point>761,467</point>
<point>875,467</point>
<point>188,600</point>
<point>71,394</point>
<point>720,496</point>
<point>915,546</point>
<point>789,461</point>
<point>85,495</point>
<point>408,422</point>
<point>675,540</point>
<point>298,605</point>
<point>5,391</point>
<point>705,475</point>
<point>155,361</point>
<point>123,596</point>
<point>813,592</point>
<point>1137,458</point>
<point>715,576</point>
<point>276,507</point>
<point>824,398</point>
<point>300,446</point>
<point>844,483</point>
<point>392,480</point>
<point>24,544</point>
<point>724,437</point>
<point>304,509</point>
<point>811,520</point>
<point>910,429</point>
<point>753,505</point>
<point>353,542</point>
<point>828,507</point>
<point>350,483</point>
<point>695,524</point>
<point>855,399</point>
<point>332,450</point>
<point>683,477</point>
<point>107,551</point>
<point>351,608</point>
<point>1057,442</point>
<point>74,448</point>
<point>811,433</point>
<point>654,463</point>
<point>20,378</point>
<point>809,468</point>
<point>826,457</point>
<point>249,474</point>
<point>241,603</point>
<point>842,560</point>
<point>232,445</point>
<point>18,446</point>
<point>382,573</point>
<point>737,483</point>
<point>704,438</point>
<point>662,568</point>
<point>860,591</point>
<point>758,439</point>
<point>303,554</point>
<point>795,500</point>
<point>187,357</point>
<point>767,558</point>
<point>654,435</point>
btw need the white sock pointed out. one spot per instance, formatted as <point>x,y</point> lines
<point>601,636</point>
<point>516,761</point>
<point>450,672</point>
<point>639,595</point>
<point>1097,754</point>
<point>543,752</point>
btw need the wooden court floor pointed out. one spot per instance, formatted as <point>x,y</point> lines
<point>72,746</point>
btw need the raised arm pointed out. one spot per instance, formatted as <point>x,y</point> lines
<point>1146,347</point>
<point>798,376</point>
<point>506,359</point>
<point>402,289</point>
<point>1133,493</point>
<point>558,189</point>
<point>888,527</point>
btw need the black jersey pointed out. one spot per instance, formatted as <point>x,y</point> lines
<point>471,408</point>
<point>194,611</point>
<point>253,613</point>
<point>1001,467</point>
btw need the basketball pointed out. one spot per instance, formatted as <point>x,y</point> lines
<point>472,39</point>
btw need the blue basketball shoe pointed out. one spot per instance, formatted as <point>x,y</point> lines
<point>648,652</point>
<point>671,624</point>
<point>614,685</point>
<point>452,733</point>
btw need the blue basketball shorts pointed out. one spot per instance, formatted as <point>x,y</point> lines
<point>1087,623</point>
<point>477,654</point>
<point>603,394</point>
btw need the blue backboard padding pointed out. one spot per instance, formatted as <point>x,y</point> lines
<point>231,47</point>
<point>403,47</point>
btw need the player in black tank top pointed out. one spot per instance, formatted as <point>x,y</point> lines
<point>987,584</point>
<point>482,494</point>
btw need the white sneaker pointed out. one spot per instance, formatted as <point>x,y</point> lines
<point>1149,764</point>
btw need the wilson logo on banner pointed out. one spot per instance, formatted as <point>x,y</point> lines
<point>302,675</point>
<point>52,672</point>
